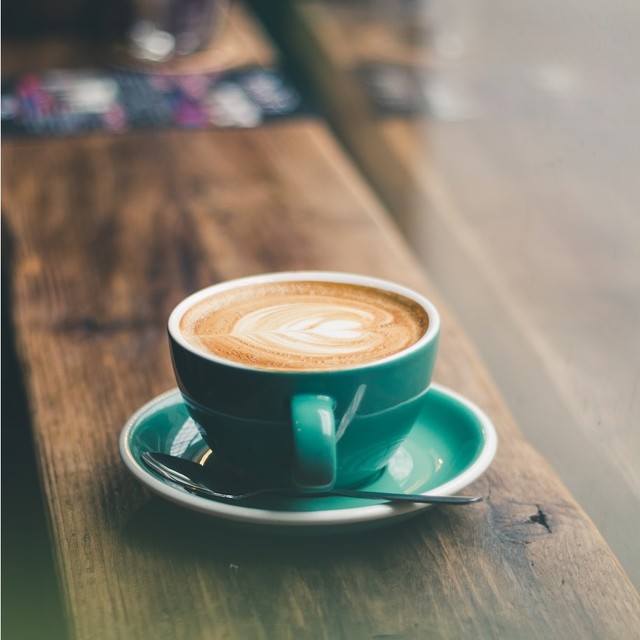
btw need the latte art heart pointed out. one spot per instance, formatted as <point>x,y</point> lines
<point>306,328</point>
<point>301,326</point>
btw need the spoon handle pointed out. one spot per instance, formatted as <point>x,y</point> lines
<point>403,497</point>
<point>192,477</point>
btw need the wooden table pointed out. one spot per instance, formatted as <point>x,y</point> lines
<point>106,234</point>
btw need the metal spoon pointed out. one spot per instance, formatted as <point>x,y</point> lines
<point>198,480</point>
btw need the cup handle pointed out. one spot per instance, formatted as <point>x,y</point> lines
<point>314,442</point>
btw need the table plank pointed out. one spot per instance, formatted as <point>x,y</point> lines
<point>109,233</point>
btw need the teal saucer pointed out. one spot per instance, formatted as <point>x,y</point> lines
<point>451,444</point>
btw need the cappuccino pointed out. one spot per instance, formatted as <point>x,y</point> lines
<point>304,325</point>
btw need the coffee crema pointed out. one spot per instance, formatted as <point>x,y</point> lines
<point>304,325</point>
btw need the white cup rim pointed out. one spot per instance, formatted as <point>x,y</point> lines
<point>180,309</point>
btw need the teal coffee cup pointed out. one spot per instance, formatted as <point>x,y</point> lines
<point>307,379</point>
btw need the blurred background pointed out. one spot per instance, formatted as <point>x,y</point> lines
<point>503,138</point>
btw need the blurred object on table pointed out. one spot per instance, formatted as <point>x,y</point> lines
<point>66,102</point>
<point>104,30</point>
<point>162,29</point>
<point>160,40</point>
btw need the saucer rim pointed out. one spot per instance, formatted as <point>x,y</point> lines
<point>300,519</point>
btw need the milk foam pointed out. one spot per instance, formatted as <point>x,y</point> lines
<point>307,328</point>
<point>304,325</point>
